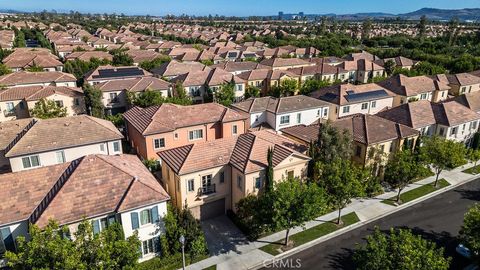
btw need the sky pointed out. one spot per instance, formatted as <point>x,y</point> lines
<point>234,7</point>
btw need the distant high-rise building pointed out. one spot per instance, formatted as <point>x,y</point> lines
<point>301,14</point>
<point>280,15</point>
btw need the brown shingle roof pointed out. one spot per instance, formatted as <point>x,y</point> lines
<point>168,117</point>
<point>74,130</point>
<point>338,94</point>
<point>412,86</point>
<point>99,185</point>
<point>30,93</point>
<point>279,105</point>
<point>134,85</point>
<point>24,78</point>
<point>10,129</point>
<point>470,100</point>
<point>452,113</point>
<point>418,114</point>
<point>247,153</point>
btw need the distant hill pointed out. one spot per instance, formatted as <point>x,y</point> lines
<point>444,14</point>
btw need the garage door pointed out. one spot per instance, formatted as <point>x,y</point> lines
<point>212,209</point>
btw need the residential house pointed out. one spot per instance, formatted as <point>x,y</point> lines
<point>80,135</point>
<point>348,99</point>
<point>449,119</point>
<point>115,93</point>
<point>285,63</point>
<point>470,100</point>
<point>25,58</point>
<point>88,55</point>
<point>211,177</point>
<point>101,189</point>
<point>111,73</point>
<point>16,102</point>
<point>409,89</point>
<point>374,138</point>
<point>398,62</point>
<point>173,69</point>
<point>283,112</point>
<point>460,84</point>
<point>157,128</point>
<point>236,68</point>
<point>362,70</point>
<point>23,78</point>
<point>322,72</point>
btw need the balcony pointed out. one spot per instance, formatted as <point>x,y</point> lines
<point>206,190</point>
<point>113,101</point>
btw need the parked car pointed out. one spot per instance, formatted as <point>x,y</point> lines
<point>464,251</point>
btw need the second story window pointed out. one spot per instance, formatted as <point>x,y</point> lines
<point>6,240</point>
<point>358,151</point>
<point>113,97</point>
<point>423,96</point>
<point>364,106</point>
<point>116,147</point>
<point>473,125</point>
<point>195,134</point>
<point>258,183</point>
<point>59,103</point>
<point>346,109</point>
<point>234,130</point>
<point>102,147</point>
<point>239,182</point>
<point>299,118</point>
<point>191,185</point>
<point>222,177</point>
<point>31,162</point>
<point>60,156</point>
<point>453,131</point>
<point>374,104</point>
<point>10,107</point>
<point>159,143</point>
<point>285,120</point>
<point>145,217</point>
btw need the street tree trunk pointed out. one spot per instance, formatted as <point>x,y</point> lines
<point>398,195</point>
<point>286,236</point>
<point>339,220</point>
<point>438,175</point>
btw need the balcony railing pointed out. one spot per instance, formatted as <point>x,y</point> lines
<point>8,113</point>
<point>206,190</point>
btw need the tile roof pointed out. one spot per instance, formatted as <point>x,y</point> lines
<point>168,117</point>
<point>470,100</point>
<point>74,130</point>
<point>134,85</point>
<point>418,114</point>
<point>86,56</point>
<point>116,73</point>
<point>340,94</point>
<point>452,113</point>
<point>285,62</point>
<point>246,152</point>
<point>10,129</point>
<point>279,105</point>
<point>30,93</point>
<point>412,86</point>
<point>95,185</point>
<point>460,79</point>
<point>364,128</point>
<point>25,78</point>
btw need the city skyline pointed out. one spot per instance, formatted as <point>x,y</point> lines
<point>242,8</point>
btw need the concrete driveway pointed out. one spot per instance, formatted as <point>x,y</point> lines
<point>223,236</point>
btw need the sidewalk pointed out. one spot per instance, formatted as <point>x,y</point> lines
<point>248,255</point>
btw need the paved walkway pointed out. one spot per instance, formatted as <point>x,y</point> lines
<point>246,255</point>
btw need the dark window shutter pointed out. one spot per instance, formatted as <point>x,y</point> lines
<point>7,239</point>
<point>96,226</point>
<point>155,214</point>
<point>157,246</point>
<point>134,217</point>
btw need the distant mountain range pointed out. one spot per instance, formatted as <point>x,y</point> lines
<point>466,14</point>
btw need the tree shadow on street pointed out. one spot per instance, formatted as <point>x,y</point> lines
<point>473,195</point>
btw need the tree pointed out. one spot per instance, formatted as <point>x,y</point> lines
<point>225,95</point>
<point>343,181</point>
<point>47,249</point>
<point>473,155</point>
<point>389,67</point>
<point>269,175</point>
<point>287,87</point>
<point>311,85</point>
<point>146,98</point>
<point>121,58</point>
<point>4,70</point>
<point>333,143</point>
<point>93,101</point>
<point>149,65</point>
<point>470,231</point>
<point>366,28</point>
<point>441,154</point>
<point>35,68</point>
<point>422,26</point>
<point>401,170</point>
<point>46,109</point>
<point>52,248</point>
<point>252,91</point>
<point>294,203</point>
<point>399,249</point>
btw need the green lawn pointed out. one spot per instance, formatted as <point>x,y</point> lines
<point>172,262</point>
<point>473,170</point>
<point>312,233</point>
<point>418,192</point>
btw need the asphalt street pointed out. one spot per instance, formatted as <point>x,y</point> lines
<point>438,219</point>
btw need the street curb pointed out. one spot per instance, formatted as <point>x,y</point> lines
<point>359,224</point>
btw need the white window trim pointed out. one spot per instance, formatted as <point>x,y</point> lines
<point>160,147</point>
<point>193,132</point>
